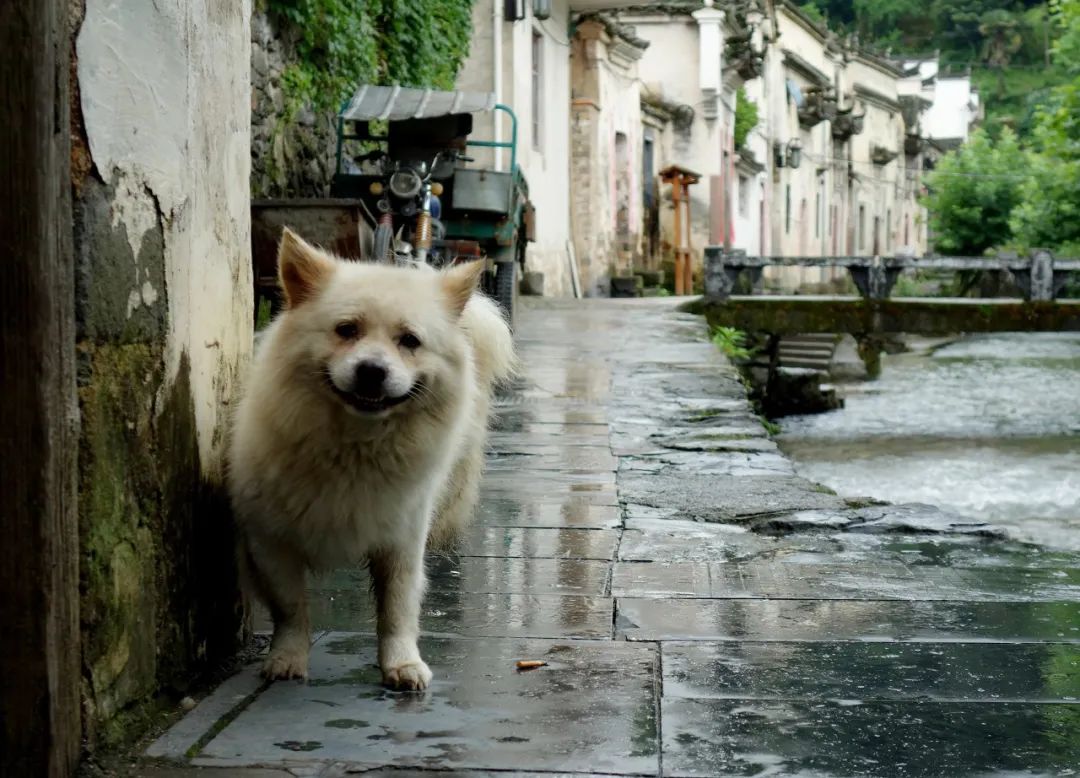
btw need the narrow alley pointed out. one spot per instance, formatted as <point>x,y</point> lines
<point>700,609</point>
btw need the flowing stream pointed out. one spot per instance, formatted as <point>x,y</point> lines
<point>988,426</point>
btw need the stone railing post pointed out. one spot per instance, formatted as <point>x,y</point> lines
<point>1037,281</point>
<point>721,273</point>
<point>1042,276</point>
<point>875,280</point>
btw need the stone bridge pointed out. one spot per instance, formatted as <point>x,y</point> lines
<point>1040,276</point>
<point>873,315</point>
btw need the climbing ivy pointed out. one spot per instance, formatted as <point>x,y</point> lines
<point>342,43</point>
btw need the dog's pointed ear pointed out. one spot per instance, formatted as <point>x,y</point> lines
<point>459,282</point>
<point>302,269</point>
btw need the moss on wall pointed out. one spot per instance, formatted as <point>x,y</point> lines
<point>159,598</point>
<point>160,603</point>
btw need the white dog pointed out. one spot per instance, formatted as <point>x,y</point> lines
<point>360,437</point>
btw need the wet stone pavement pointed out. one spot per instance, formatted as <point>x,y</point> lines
<point>702,610</point>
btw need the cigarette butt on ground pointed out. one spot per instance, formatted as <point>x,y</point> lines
<point>530,664</point>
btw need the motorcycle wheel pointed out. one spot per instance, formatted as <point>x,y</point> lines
<point>506,290</point>
<point>384,236</point>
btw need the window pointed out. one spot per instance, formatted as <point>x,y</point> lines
<point>537,87</point>
<point>744,196</point>
<point>817,215</point>
<point>862,228</point>
<point>787,209</point>
<point>888,229</point>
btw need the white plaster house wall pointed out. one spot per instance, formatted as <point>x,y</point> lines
<point>806,217</point>
<point>165,96</point>
<point>753,188</point>
<point>955,111</point>
<point>955,106</point>
<point>875,207</point>
<point>546,164</point>
<point>681,67</point>
<point>606,149</point>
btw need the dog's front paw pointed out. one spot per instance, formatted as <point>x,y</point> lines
<point>413,676</point>
<point>283,664</point>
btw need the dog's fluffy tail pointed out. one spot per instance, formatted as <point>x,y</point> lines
<point>493,345</point>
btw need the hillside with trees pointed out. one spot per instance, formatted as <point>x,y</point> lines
<point>1007,44</point>
<point>1015,185</point>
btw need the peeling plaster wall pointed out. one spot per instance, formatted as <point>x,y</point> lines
<point>162,235</point>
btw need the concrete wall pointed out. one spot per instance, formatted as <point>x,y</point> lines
<point>546,164</point>
<point>164,302</point>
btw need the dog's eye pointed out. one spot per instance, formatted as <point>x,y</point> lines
<point>409,341</point>
<point>347,330</point>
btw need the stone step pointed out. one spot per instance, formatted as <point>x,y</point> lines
<point>813,351</point>
<point>799,349</point>
<point>812,337</point>
<point>808,364</point>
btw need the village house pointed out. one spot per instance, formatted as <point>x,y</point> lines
<point>688,96</point>
<point>609,97</point>
<point>520,52</point>
<point>953,106</point>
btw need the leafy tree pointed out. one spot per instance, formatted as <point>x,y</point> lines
<point>342,43</point>
<point>814,11</point>
<point>1067,48</point>
<point>1000,31</point>
<point>972,194</point>
<point>746,117</point>
<point>1049,213</point>
<point>893,23</point>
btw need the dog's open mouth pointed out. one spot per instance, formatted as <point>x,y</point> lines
<point>366,404</point>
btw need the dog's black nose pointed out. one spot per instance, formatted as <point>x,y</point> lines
<point>369,379</point>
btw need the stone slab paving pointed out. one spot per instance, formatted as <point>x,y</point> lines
<point>702,609</point>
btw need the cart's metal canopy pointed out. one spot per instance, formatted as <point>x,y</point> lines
<point>396,103</point>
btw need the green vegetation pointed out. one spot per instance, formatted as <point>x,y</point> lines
<point>995,194</point>
<point>732,342</point>
<point>1049,210</point>
<point>972,194</point>
<point>746,117</point>
<point>1007,44</point>
<point>1012,97</point>
<point>964,31</point>
<point>342,43</point>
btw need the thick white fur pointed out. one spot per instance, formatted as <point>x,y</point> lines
<point>317,484</point>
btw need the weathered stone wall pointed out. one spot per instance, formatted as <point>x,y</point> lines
<point>289,158</point>
<point>161,139</point>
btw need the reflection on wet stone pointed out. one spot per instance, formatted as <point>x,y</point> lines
<point>968,672</point>
<point>828,620</point>
<point>592,708</point>
<point>848,738</point>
